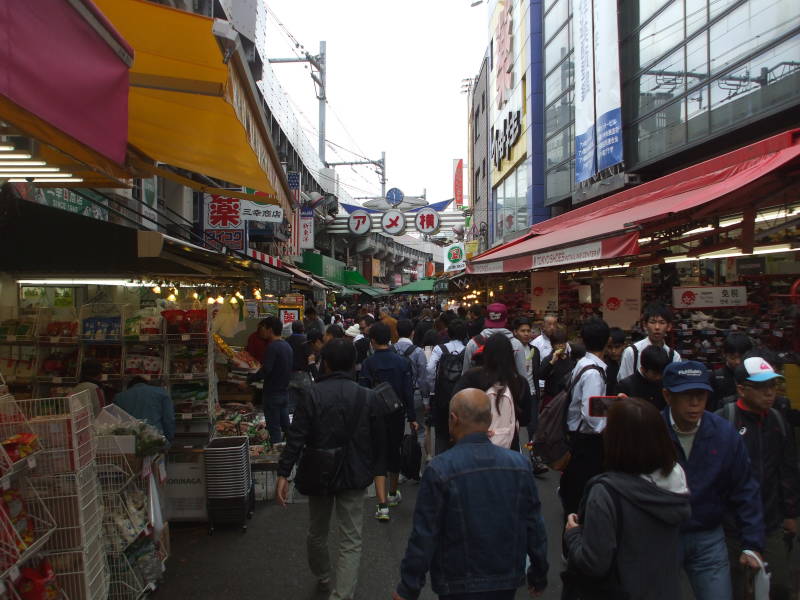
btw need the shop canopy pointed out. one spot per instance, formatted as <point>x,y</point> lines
<point>748,177</point>
<point>190,105</point>
<point>370,291</point>
<point>420,286</point>
<point>64,83</point>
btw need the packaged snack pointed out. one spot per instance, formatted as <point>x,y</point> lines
<point>38,583</point>
<point>13,505</point>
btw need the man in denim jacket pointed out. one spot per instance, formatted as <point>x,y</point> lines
<point>477,516</point>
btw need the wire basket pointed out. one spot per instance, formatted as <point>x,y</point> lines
<point>102,322</point>
<point>12,424</point>
<point>125,517</point>
<point>82,574</point>
<point>64,426</point>
<point>25,525</point>
<point>126,582</point>
<point>113,468</point>
<point>57,325</point>
<point>74,501</point>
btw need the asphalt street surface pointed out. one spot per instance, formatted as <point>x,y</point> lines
<point>268,561</point>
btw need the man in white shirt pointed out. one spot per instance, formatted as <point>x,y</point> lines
<point>657,320</point>
<point>441,382</point>
<point>586,443</point>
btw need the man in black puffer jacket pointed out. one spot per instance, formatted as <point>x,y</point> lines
<point>337,413</point>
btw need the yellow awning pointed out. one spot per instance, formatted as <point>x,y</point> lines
<point>186,106</point>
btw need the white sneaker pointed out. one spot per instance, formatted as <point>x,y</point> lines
<point>382,514</point>
<point>395,499</point>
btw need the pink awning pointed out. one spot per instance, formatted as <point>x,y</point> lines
<point>61,61</point>
<point>728,182</point>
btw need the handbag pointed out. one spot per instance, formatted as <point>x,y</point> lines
<point>319,468</point>
<point>388,397</point>
<point>578,586</point>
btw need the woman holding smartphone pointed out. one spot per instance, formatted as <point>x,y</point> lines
<point>625,540</point>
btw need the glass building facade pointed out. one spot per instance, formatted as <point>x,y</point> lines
<point>692,70</point>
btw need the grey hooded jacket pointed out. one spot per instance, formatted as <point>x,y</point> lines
<point>647,553</point>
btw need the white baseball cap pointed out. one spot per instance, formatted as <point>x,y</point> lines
<point>756,369</point>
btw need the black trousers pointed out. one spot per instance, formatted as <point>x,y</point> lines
<point>586,462</point>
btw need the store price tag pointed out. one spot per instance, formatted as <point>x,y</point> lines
<point>31,462</point>
<point>11,338</point>
<point>55,340</point>
<point>103,377</point>
<point>185,337</point>
<point>56,379</point>
<point>186,416</point>
<point>13,573</point>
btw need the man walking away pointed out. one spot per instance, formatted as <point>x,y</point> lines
<point>336,414</point>
<point>773,458</point>
<point>387,318</point>
<point>275,371</point>
<point>718,472</point>
<point>419,363</point>
<point>734,349</point>
<point>585,433</point>
<point>386,366</point>
<point>657,320</point>
<point>300,379</point>
<point>444,371</point>
<point>477,516</point>
<point>646,382</point>
<point>312,320</point>
<point>496,320</point>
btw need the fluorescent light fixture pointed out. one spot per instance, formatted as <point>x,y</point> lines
<point>678,258</point>
<point>645,240</point>
<point>6,148</point>
<point>21,163</point>
<point>773,248</point>
<point>49,179</point>
<point>724,253</point>
<point>698,230</point>
<point>70,282</point>
<point>729,222</point>
<point>20,155</point>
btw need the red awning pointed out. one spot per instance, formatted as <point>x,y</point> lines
<point>65,64</point>
<point>727,183</point>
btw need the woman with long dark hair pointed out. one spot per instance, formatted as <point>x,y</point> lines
<point>496,376</point>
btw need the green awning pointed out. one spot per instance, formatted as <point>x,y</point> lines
<point>370,291</point>
<point>346,291</point>
<point>420,286</point>
<point>354,278</point>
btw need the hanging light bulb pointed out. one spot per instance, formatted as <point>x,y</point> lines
<point>234,300</point>
<point>211,300</point>
<point>220,299</point>
<point>172,298</point>
<point>195,295</point>
<point>156,289</point>
<point>238,294</point>
<point>175,292</point>
<point>257,294</point>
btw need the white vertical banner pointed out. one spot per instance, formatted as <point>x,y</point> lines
<point>544,291</point>
<point>583,41</point>
<point>622,301</point>
<point>608,102</point>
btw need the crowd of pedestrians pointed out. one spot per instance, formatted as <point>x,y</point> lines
<point>669,467</point>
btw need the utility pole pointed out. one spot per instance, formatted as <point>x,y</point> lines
<point>380,164</point>
<point>319,77</point>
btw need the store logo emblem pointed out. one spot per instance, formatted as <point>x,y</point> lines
<point>613,303</point>
<point>688,297</point>
<point>455,254</point>
<point>538,290</point>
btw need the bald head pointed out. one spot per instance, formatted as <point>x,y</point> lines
<point>470,413</point>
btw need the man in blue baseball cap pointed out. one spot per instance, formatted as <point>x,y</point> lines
<point>717,468</point>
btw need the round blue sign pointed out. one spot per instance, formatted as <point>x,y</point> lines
<point>394,197</point>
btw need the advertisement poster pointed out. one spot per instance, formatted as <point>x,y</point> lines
<point>455,258</point>
<point>583,40</point>
<point>709,296</point>
<point>544,291</point>
<point>622,301</point>
<point>608,101</point>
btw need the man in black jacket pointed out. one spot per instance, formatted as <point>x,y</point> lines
<point>337,414</point>
<point>734,349</point>
<point>275,372</point>
<point>645,383</point>
<point>773,459</point>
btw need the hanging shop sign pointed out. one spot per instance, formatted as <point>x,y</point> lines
<point>622,301</point>
<point>471,248</point>
<point>359,222</point>
<point>261,213</point>
<point>709,296</point>
<point>427,221</point>
<point>307,228</point>
<point>455,258</point>
<point>393,222</point>
<point>544,291</point>
<point>458,182</point>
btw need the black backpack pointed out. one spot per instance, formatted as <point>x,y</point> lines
<point>410,457</point>
<point>671,356</point>
<point>448,372</point>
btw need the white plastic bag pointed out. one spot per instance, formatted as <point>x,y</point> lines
<point>760,579</point>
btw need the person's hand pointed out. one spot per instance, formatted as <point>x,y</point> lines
<point>790,526</point>
<point>572,521</point>
<point>414,426</point>
<point>396,596</point>
<point>282,491</point>
<point>622,396</point>
<point>750,561</point>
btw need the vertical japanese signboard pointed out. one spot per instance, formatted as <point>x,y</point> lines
<point>458,182</point>
<point>585,166</point>
<point>307,228</point>
<point>544,291</point>
<point>223,222</point>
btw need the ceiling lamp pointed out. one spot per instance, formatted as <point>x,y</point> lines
<point>210,300</point>
<point>17,167</point>
<point>156,289</point>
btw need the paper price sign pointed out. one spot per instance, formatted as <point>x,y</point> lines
<point>359,222</point>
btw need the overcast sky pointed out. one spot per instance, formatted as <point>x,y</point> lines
<point>395,69</point>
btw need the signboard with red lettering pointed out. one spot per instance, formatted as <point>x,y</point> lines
<point>458,182</point>
<point>709,296</point>
<point>359,222</point>
<point>307,228</point>
<point>222,212</point>
<point>427,221</point>
<point>393,222</point>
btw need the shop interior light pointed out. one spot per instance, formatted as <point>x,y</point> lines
<point>210,300</point>
<point>48,179</point>
<point>172,298</point>
<point>645,240</point>
<point>724,253</point>
<point>195,295</point>
<point>773,248</point>
<point>70,282</point>
<point>18,169</point>
<point>156,289</point>
<point>238,294</point>
<point>678,258</point>
<point>6,148</point>
<point>234,300</point>
<point>220,300</point>
<point>21,163</point>
<point>697,230</point>
<point>20,155</point>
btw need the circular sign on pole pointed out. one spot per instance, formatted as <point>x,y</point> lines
<point>394,197</point>
<point>359,222</point>
<point>427,221</point>
<point>393,222</point>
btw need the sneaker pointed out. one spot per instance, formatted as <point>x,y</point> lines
<point>382,514</point>
<point>539,468</point>
<point>395,499</point>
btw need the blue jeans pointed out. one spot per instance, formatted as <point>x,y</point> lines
<point>704,556</point>
<point>276,410</point>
